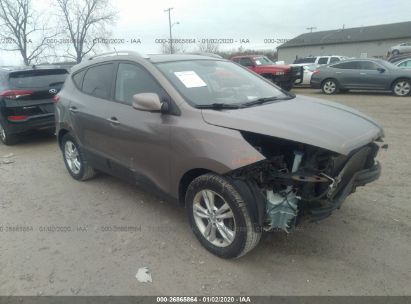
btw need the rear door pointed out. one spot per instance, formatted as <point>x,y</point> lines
<point>31,92</point>
<point>348,74</point>
<point>88,108</point>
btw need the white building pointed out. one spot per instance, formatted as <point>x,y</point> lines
<point>366,41</point>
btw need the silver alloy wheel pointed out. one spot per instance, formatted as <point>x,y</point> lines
<point>2,133</point>
<point>72,157</point>
<point>214,218</point>
<point>402,88</point>
<point>330,87</point>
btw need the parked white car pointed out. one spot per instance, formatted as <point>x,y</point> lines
<point>308,72</point>
<point>320,60</point>
<point>401,48</point>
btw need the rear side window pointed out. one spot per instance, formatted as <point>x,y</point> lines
<point>98,80</point>
<point>37,78</point>
<point>131,80</point>
<point>323,60</point>
<point>334,59</point>
<point>78,78</point>
<point>353,65</point>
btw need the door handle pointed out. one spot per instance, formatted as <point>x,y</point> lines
<point>363,73</point>
<point>113,120</point>
<point>338,72</point>
<point>73,109</point>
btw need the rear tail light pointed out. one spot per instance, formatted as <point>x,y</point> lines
<point>15,94</point>
<point>316,72</point>
<point>17,118</point>
<point>56,99</point>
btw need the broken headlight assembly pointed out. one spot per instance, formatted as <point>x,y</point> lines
<point>301,181</point>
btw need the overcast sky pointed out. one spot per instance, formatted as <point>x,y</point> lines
<point>241,19</point>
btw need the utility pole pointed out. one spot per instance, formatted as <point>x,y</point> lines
<point>169,25</point>
<point>311,28</point>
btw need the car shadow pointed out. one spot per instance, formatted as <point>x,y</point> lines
<point>35,137</point>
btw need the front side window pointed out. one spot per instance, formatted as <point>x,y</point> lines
<point>246,62</point>
<point>205,82</point>
<point>132,79</point>
<point>334,59</point>
<point>369,65</point>
<point>98,80</point>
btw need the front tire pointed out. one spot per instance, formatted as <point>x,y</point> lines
<point>401,87</point>
<point>74,159</point>
<point>5,137</point>
<point>329,86</point>
<point>219,218</point>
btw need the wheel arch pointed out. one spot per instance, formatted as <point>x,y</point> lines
<point>60,135</point>
<point>399,78</point>
<point>186,179</point>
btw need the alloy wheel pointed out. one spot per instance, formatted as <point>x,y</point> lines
<point>72,157</point>
<point>214,218</point>
<point>402,88</point>
<point>330,87</point>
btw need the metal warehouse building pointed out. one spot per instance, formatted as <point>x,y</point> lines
<point>366,41</point>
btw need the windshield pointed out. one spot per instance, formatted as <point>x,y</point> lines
<point>206,82</point>
<point>262,61</point>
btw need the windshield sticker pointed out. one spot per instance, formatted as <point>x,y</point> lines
<point>190,79</point>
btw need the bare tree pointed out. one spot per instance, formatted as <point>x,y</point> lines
<point>22,31</point>
<point>208,47</point>
<point>165,48</point>
<point>85,22</point>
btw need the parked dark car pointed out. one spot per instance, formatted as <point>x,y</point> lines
<point>362,74</point>
<point>240,154</point>
<point>26,99</point>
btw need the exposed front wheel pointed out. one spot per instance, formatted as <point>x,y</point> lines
<point>5,137</point>
<point>402,87</point>
<point>74,159</point>
<point>329,87</point>
<point>219,217</point>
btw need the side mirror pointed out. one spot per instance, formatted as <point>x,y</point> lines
<point>149,102</point>
<point>381,70</point>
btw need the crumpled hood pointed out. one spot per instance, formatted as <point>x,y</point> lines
<point>303,119</point>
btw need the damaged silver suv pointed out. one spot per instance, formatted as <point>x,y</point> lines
<point>242,155</point>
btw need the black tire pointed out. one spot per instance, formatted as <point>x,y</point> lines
<point>246,236</point>
<point>395,52</point>
<point>7,138</point>
<point>330,86</point>
<point>85,171</point>
<point>401,87</point>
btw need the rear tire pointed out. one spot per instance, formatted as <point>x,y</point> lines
<point>219,218</point>
<point>330,86</point>
<point>402,87</point>
<point>75,160</point>
<point>7,138</point>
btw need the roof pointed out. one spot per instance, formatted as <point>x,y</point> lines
<point>356,34</point>
<point>180,57</point>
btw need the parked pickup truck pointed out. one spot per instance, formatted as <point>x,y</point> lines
<point>284,76</point>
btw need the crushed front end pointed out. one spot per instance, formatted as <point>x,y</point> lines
<point>298,181</point>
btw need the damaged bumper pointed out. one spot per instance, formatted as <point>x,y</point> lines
<point>359,178</point>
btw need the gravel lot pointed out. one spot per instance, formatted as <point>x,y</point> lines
<point>363,249</point>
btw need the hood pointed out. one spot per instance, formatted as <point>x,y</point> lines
<point>312,121</point>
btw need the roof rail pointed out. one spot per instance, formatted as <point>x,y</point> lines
<point>117,53</point>
<point>204,54</point>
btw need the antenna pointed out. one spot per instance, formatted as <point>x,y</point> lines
<point>311,28</point>
<point>115,50</point>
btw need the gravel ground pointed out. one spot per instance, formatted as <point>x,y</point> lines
<point>63,237</point>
